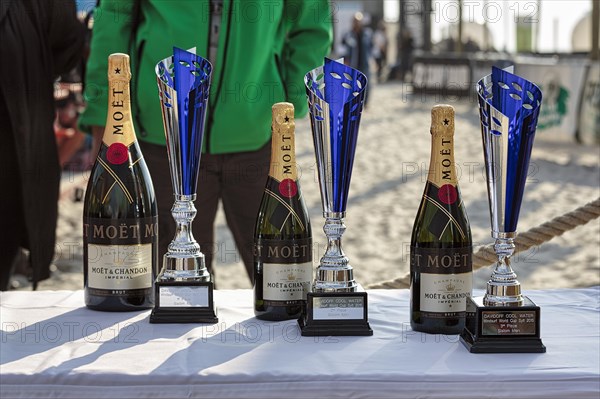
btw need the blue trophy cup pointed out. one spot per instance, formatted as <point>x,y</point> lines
<point>336,305</point>
<point>505,321</point>
<point>184,287</point>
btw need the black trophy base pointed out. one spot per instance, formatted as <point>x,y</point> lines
<point>502,329</point>
<point>335,314</point>
<point>184,302</point>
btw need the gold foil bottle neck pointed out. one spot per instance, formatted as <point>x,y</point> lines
<point>442,169</point>
<point>442,120</point>
<point>283,147</point>
<point>119,125</point>
<point>283,118</point>
<point>118,67</point>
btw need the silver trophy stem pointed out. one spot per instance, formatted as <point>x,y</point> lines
<point>334,273</point>
<point>503,288</point>
<point>183,259</point>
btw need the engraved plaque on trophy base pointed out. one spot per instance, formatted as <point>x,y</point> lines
<point>502,329</point>
<point>184,302</point>
<point>335,314</point>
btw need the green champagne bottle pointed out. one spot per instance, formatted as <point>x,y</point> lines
<point>441,246</point>
<point>282,238</point>
<point>120,222</point>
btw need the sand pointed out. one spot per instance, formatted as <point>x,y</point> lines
<point>387,183</point>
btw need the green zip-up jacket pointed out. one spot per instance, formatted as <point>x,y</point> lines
<point>265,48</point>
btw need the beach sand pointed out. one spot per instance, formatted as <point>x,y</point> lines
<point>389,175</point>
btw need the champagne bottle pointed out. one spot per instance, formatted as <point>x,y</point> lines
<point>120,222</point>
<point>282,238</point>
<point>441,247</point>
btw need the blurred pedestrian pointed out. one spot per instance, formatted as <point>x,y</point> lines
<point>69,139</point>
<point>380,44</point>
<point>406,53</point>
<point>358,44</point>
<point>40,40</point>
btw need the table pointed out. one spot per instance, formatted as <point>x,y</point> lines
<point>52,346</point>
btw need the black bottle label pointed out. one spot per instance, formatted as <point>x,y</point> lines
<point>286,269</point>
<point>283,251</point>
<point>120,253</point>
<point>445,279</point>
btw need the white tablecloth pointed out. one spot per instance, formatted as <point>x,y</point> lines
<point>52,346</point>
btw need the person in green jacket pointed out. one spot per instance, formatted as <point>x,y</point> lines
<point>260,51</point>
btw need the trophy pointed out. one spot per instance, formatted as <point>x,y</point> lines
<point>336,305</point>
<point>184,288</point>
<point>505,321</point>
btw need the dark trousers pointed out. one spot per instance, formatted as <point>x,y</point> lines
<point>13,231</point>
<point>237,179</point>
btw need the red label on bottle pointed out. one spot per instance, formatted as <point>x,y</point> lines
<point>288,188</point>
<point>117,153</point>
<point>447,194</point>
